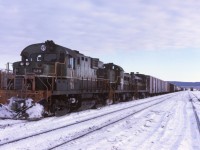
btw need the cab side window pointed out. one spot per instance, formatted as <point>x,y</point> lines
<point>71,62</point>
<point>62,57</point>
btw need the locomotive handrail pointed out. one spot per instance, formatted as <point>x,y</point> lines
<point>56,65</point>
<point>50,84</point>
<point>55,69</point>
<point>1,79</point>
<point>9,85</point>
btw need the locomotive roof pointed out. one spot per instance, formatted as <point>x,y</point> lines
<point>41,47</point>
<point>112,64</point>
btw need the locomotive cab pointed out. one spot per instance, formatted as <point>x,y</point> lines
<point>39,59</point>
<point>115,74</point>
<point>39,71</point>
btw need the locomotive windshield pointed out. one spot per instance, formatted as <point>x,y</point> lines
<point>43,57</point>
<point>50,57</point>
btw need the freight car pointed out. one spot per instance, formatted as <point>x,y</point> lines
<point>155,86</point>
<point>64,80</point>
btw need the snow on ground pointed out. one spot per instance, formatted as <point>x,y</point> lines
<point>34,110</point>
<point>196,100</point>
<point>168,125</point>
<point>5,112</point>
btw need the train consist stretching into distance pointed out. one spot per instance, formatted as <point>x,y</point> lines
<point>64,80</point>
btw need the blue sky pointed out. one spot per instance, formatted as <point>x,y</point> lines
<point>159,38</point>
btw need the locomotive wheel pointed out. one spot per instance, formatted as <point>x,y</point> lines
<point>61,107</point>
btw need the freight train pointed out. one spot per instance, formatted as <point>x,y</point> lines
<point>65,80</point>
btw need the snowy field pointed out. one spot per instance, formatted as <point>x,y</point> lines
<point>161,122</point>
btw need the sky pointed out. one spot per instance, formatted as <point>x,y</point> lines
<point>154,37</point>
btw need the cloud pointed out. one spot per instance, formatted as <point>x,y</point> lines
<point>101,25</point>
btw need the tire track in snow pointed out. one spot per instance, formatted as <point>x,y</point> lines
<point>119,133</point>
<point>154,139</point>
<point>164,137</point>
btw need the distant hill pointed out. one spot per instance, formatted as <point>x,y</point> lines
<point>195,85</point>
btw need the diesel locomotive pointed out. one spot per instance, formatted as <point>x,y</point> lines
<point>65,80</point>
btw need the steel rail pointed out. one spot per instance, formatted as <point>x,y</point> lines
<point>195,112</point>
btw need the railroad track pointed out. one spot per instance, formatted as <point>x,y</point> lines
<point>3,143</point>
<point>195,96</point>
<point>57,146</point>
<point>195,112</point>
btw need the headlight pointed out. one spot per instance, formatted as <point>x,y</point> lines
<point>21,63</point>
<point>27,63</point>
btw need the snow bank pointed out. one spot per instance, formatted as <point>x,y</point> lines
<point>29,102</point>
<point>34,112</point>
<point>11,101</point>
<point>5,112</point>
